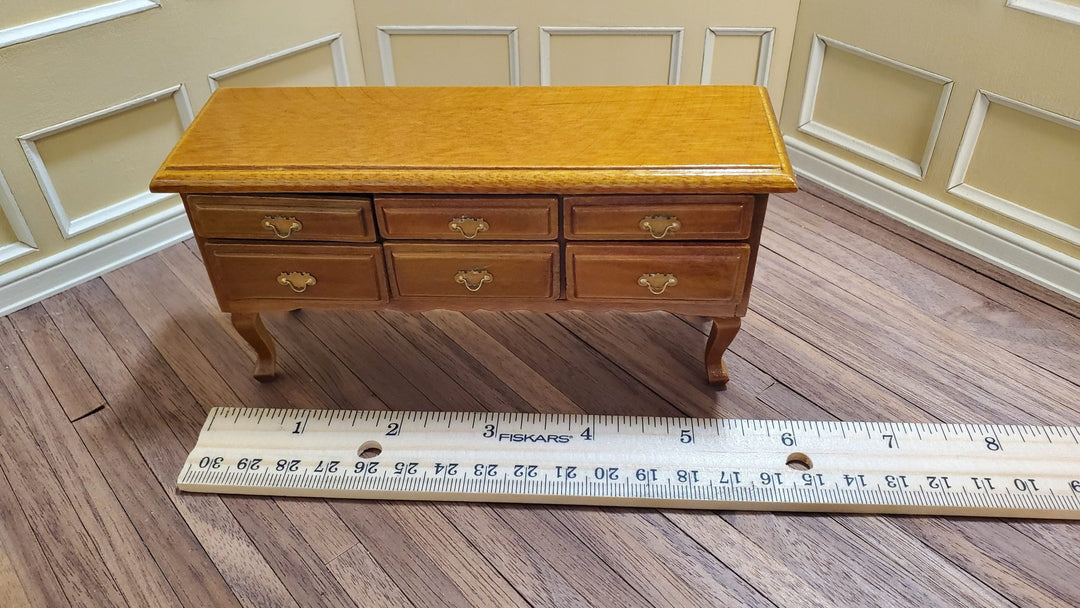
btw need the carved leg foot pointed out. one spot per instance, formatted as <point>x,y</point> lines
<point>723,332</point>
<point>251,329</point>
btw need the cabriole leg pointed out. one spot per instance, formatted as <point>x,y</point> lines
<point>723,332</point>
<point>251,329</point>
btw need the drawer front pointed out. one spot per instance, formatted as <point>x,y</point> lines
<point>531,218</point>
<point>297,272</point>
<point>473,271</point>
<point>282,218</point>
<point>715,273</point>
<point>669,218</point>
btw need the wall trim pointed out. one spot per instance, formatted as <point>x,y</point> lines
<point>25,239</point>
<point>93,258</point>
<point>337,52</point>
<point>73,20</point>
<point>1048,8</point>
<point>852,144</point>
<point>765,50</point>
<point>546,31</point>
<point>70,226</point>
<point>386,50</point>
<point>1006,207</point>
<point>1022,256</point>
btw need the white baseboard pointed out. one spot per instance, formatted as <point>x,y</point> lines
<point>1022,256</point>
<point>49,276</point>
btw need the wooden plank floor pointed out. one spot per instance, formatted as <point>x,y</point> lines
<point>103,389</point>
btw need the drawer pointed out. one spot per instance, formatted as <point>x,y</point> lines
<point>297,272</point>
<point>716,273</point>
<point>282,218</point>
<point>473,271</point>
<point>525,218</point>
<point>671,218</point>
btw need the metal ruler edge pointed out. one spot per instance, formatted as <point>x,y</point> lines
<point>976,470</point>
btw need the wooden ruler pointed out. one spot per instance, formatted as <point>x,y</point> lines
<point>851,467</point>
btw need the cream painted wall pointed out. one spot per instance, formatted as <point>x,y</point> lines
<point>958,117</point>
<point>627,42</point>
<point>20,12</point>
<point>82,131</point>
<point>1019,172</point>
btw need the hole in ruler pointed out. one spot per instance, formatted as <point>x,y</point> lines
<point>799,461</point>
<point>370,449</point>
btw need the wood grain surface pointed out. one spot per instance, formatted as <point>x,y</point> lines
<point>420,270</point>
<point>525,140</point>
<point>850,320</point>
<point>313,218</point>
<point>714,274</point>
<point>338,273</point>
<point>623,218</point>
<point>466,218</point>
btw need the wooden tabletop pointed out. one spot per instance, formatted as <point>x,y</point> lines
<point>482,139</point>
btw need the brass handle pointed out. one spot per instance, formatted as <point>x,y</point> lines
<point>282,225</point>
<point>473,279</point>
<point>660,226</point>
<point>469,227</point>
<point>657,282</point>
<point>298,281</point>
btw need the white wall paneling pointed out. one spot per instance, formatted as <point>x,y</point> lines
<point>546,32</point>
<point>1048,8</point>
<point>765,50</point>
<point>386,49</point>
<point>25,243</point>
<point>1036,262</point>
<point>853,144</point>
<point>75,19</point>
<point>71,226</point>
<point>95,257</point>
<point>337,51</point>
<point>1008,208</point>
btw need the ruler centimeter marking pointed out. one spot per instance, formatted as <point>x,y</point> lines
<point>695,463</point>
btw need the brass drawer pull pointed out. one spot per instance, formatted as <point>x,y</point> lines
<point>469,227</point>
<point>660,226</point>
<point>473,279</point>
<point>282,225</point>
<point>657,282</point>
<point>298,281</point>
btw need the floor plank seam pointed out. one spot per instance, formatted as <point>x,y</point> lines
<point>869,303</point>
<point>664,513</point>
<point>37,537</point>
<point>521,594</point>
<point>625,370</point>
<point>556,515</point>
<point>37,366</point>
<point>183,331</point>
<point>386,573</point>
<point>301,314</point>
<point>132,373</point>
<point>139,532</point>
<point>845,523</point>
<point>558,521</point>
<point>887,288</point>
<point>955,255</point>
<point>912,352</point>
<point>1006,298</point>
<point>87,414</point>
<point>90,537</point>
<point>841,362</point>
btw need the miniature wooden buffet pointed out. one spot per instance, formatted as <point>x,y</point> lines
<point>498,198</point>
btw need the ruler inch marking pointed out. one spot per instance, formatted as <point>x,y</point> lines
<point>643,461</point>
